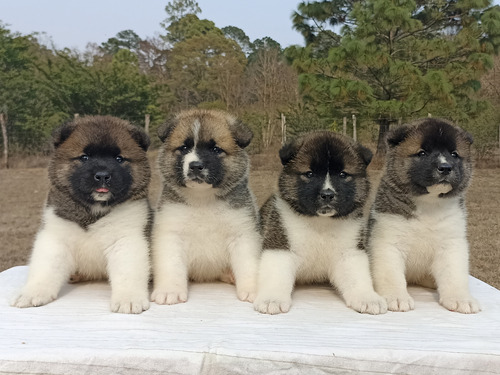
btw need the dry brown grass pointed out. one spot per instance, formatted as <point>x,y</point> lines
<point>24,191</point>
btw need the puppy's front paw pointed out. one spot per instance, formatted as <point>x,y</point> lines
<point>467,305</point>
<point>129,304</point>
<point>402,302</point>
<point>172,297</point>
<point>369,303</point>
<point>33,298</point>
<point>245,295</point>
<point>272,305</point>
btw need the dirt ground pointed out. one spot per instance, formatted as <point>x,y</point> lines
<point>24,192</point>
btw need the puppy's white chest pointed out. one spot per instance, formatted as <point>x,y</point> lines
<point>317,242</point>
<point>207,233</point>
<point>88,247</point>
<point>437,222</point>
<point>212,227</point>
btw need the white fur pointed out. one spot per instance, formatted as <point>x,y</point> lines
<point>442,159</point>
<point>430,247</point>
<point>192,155</point>
<point>437,189</point>
<point>203,241</point>
<point>188,159</point>
<point>115,246</point>
<point>321,249</point>
<point>196,131</point>
<point>328,184</point>
<point>101,197</point>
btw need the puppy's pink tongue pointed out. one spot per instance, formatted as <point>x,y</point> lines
<point>102,190</point>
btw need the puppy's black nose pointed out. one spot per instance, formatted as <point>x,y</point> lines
<point>444,168</point>
<point>196,166</point>
<point>326,195</point>
<point>102,176</point>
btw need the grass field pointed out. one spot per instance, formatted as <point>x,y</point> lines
<point>24,192</point>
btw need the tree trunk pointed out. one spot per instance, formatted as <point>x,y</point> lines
<point>283,129</point>
<point>382,134</point>
<point>354,129</point>
<point>3,124</point>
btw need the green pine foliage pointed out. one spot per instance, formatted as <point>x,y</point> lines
<point>398,59</point>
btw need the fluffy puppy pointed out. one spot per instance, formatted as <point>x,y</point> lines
<point>417,227</point>
<point>96,216</point>
<point>312,226</point>
<point>206,225</point>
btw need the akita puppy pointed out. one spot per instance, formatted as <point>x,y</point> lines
<point>97,215</point>
<point>417,227</point>
<point>206,225</point>
<point>312,226</point>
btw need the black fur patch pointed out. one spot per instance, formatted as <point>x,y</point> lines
<point>101,158</point>
<point>271,227</point>
<point>301,183</point>
<point>242,134</point>
<point>60,134</point>
<point>438,147</point>
<point>140,136</point>
<point>415,155</point>
<point>166,128</point>
<point>211,158</point>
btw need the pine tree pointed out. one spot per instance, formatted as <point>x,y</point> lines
<point>396,58</point>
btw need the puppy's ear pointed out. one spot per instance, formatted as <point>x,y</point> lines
<point>60,134</point>
<point>289,151</point>
<point>242,134</point>
<point>140,136</point>
<point>365,153</point>
<point>468,137</point>
<point>165,129</point>
<point>397,135</point>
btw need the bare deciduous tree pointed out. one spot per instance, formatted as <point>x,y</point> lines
<point>273,86</point>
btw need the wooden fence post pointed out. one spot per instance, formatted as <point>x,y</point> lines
<point>3,124</point>
<point>283,129</point>
<point>344,126</point>
<point>354,132</point>
<point>146,124</point>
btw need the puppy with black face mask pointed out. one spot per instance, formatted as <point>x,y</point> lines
<point>96,218</point>
<point>417,226</point>
<point>206,225</point>
<point>312,226</point>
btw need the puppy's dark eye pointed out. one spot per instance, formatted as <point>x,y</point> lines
<point>119,159</point>
<point>217,150</point>
<point>84,158</point>
<point>309,174</point>
<point>454,154</point>
<point>422,153</point>
<point>343,174</point>
<point>184,149</point>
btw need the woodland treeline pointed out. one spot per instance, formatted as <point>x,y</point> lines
<point>384,61</point>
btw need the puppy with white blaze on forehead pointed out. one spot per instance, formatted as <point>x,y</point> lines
<point>206,225</point>
<point>417,225</point>
<point>312,226</point>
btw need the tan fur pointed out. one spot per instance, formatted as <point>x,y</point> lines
<point>217,128</point>
<point>93,241</point>
<point>417,226</point>
<point>91,130</point>
<point>204,233</point>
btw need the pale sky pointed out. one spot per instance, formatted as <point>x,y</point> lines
<point>73,24</point>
